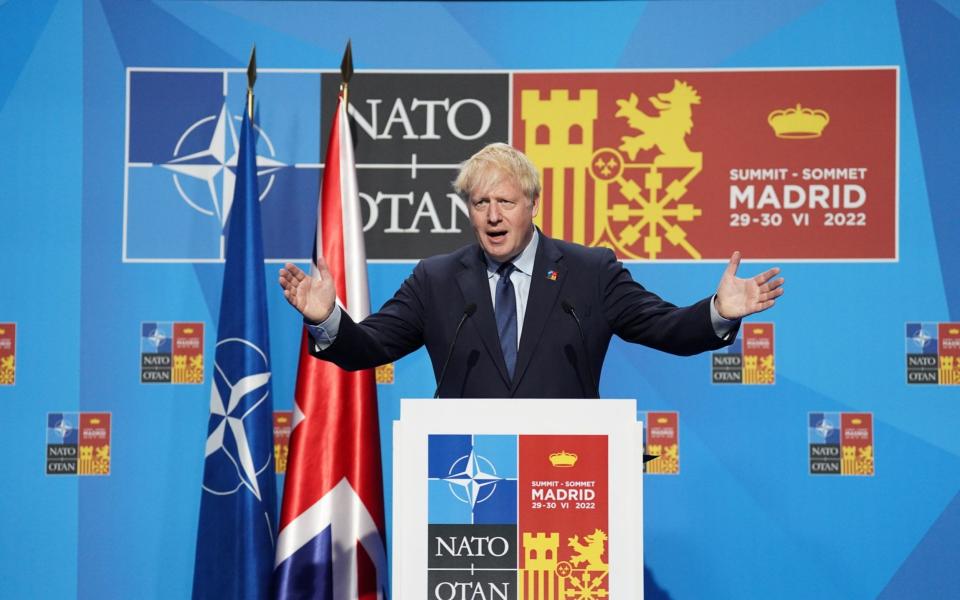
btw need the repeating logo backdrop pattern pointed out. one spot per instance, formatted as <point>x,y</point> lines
<point>749,359</point>
<point>933,353</point>
<point>662,439</point>
<point>78,443</point>
<point>841,443</point>
<point>171,352</point>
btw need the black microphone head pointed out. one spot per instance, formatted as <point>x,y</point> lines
<point>469,309</point>
<point>567,307</point>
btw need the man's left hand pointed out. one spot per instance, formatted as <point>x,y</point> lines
<point>737,298</point>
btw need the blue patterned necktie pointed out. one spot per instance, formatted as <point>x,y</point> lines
<point>505,311</point>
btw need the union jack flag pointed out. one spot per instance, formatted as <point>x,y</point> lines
<point>331,543</point>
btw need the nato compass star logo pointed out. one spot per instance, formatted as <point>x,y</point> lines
<point>182,151</point>
<point>825,428</point>
<point>921,338</point>
<point>215,164</point>
<point>472,479</point>
<point>237,397</point>
<point>63,429</point>
<point>156,338</point>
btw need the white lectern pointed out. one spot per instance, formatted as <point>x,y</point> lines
<point>517,499</point>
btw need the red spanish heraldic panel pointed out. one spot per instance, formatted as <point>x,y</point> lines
<point>856,443</point>
<point>188,352</point>
<point>8,353</point>
<point>94,443</point>
<point>563,517</point>
<point>949,350</point>
<point>687,165</point>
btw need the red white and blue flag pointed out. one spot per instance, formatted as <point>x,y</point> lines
<point>331,544</point>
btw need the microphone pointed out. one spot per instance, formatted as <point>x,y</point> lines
<point>568,308</point>
<point>468,310</point>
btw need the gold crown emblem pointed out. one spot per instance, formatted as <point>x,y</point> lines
<point>2,331</point>
<point>188,330</point>
<point>94,421</point>
<point>563,459</point>
<point>663,420</point>
<point>757,330</point>
<point>798,123</point>
<point>856,421</point>
<point>951,331</point>
<point>281,419</point>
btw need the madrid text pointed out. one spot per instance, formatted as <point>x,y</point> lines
<point>811,196</point>
<point>550,495</point>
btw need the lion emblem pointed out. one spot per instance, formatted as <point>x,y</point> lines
<point>590,553</point>
<point>666,130</point>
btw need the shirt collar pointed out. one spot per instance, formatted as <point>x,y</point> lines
<point>523,261</point>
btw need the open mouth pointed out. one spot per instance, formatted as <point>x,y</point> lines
<point>496,235</point>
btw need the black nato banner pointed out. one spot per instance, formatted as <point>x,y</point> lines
<point>411,131</point>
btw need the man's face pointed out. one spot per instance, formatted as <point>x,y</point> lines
<point>502,217</point>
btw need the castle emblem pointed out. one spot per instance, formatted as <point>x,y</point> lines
<point>582,575</point>
<point>635,189</point>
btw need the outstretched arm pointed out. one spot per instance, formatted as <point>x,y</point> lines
<point>737,298</point>
<point>314,297</point>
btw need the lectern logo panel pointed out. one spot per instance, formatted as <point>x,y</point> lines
<point>518,516</point>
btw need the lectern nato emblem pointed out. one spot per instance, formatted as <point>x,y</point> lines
<point>520,517</point>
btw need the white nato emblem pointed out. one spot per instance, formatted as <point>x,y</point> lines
<point>216,163</point>
<point>825,428</point>
<point>246,393</point>
<point>472,479</point>
<point>63,428</point>
<point>921,339</point>
<point>156,338</point>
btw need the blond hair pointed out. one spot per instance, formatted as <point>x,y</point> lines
<point>491,165</point>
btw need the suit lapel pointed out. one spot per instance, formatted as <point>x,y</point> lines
<point>475,287</point>
<point>544,293</point>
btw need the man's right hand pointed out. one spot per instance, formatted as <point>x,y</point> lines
<point>314,297</point>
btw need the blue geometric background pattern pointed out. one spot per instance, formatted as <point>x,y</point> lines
<point>107,106</point>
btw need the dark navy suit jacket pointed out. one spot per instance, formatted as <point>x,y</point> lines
<point>551,362</point>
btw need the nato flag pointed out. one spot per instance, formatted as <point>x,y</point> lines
<point>236,535</point>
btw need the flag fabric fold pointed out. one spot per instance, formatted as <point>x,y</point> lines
<point>331,544</point>
<point>237,529</point>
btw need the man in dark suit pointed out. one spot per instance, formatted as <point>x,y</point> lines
<point>525,315</point>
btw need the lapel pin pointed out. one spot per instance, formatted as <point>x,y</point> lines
<point>552,275</point>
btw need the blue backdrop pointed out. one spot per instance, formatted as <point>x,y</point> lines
<point>742,519</point>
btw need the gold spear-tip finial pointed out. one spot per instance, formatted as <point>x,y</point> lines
<point>251,79</point>
<point>346,70</point>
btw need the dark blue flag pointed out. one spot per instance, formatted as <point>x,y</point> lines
<point>237,532</point>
